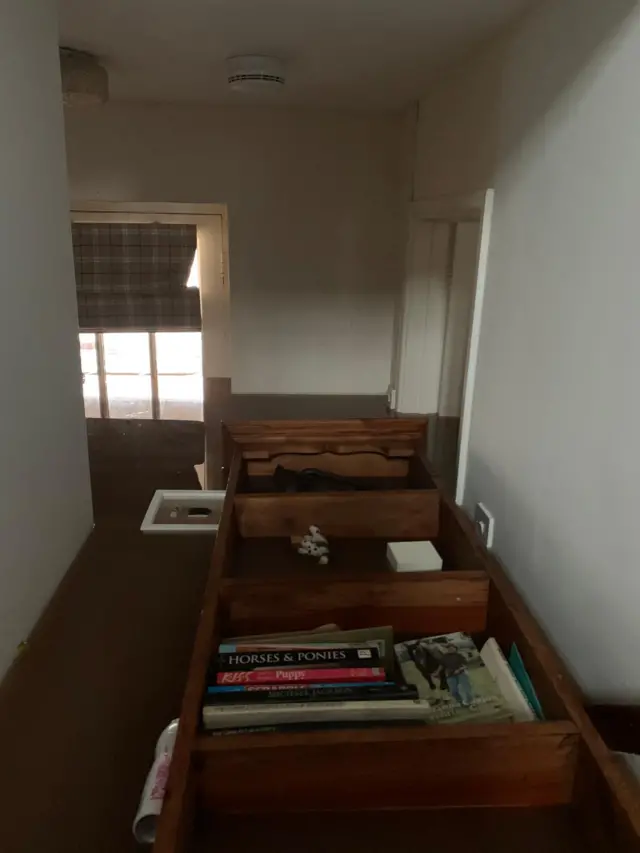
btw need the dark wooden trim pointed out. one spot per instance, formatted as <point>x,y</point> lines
<point>176,820</point>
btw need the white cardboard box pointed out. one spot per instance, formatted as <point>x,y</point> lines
<point>413,557</point>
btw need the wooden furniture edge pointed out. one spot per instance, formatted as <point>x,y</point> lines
<point>425,767</point>
<point>444,601</point>
<point>410,513</point>
<point>387,578</point>
<point>330,430</point>
<point>461,731</point>
<point>179,802</point>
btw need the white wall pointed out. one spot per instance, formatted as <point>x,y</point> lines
<point>315,225</point>
<point>554,448</point>
<point>45,499</point>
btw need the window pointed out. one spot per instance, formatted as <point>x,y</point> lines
<point>142,374</point>
<point>127,367</point>
<point>179,371</point>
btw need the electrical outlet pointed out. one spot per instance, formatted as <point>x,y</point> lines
<point>485,523</point>
<point>391,398</point>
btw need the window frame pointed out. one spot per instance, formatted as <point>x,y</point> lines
<point>103,395</point>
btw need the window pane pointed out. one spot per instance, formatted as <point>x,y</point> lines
<point>90,382</point>
<point>180,397</point>
<point>126,352</point>
<point>179,352</point>
<point>88,354</point>
<point>129,396</point>
<point>91,392</point>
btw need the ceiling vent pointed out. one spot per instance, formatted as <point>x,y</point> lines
<point>84,81</point>
<point>255,74</point>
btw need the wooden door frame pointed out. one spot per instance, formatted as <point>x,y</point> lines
<point>475,207</point>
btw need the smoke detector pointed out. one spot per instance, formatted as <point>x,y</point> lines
<point>84,81</point>
<point>255,74</point>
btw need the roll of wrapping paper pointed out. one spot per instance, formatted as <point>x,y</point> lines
<point>145,823</point>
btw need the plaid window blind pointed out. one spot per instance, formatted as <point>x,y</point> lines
<point>133,277</point>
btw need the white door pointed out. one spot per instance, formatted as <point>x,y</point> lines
<point>461,291</point>
<point>441,312</point>
<point>424,313</point>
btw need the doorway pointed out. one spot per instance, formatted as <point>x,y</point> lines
<point>439,324</point>
<point>150,350</point>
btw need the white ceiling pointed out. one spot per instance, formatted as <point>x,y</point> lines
<point>338,53</point>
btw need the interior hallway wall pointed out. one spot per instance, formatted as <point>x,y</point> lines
<point>45,498</point>
<point>547,116</point>
<point>316,225</point>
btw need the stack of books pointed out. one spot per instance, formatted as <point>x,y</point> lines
<point>322,679</point>
<point>335,679</point>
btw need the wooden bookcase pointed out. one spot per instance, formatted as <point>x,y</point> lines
<point>562,787</point>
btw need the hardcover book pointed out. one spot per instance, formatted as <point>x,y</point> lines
<point>240,716</point>
<point>326,656</point>
<point>252,688</point>
<point>510,688</point>
<point>449,673</point>
<point>520,672</point>
<point>292,676</point>
<point>326,725</point>
<point>381,637</point>
<point>311,693</point>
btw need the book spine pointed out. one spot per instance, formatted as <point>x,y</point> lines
<point>313,727</point>
<point>258,646</point>
<point>356,656</point>
<point>321,693</point>
<point>241,716</point>
<point>252,688</point>
<point>296,676</point>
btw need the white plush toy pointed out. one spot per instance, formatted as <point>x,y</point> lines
<point>314,544</point>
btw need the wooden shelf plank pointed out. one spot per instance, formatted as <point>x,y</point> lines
<point>434,603</point>
<point>514,732</point>
<point>369,431</point>
<point>176,819</point>
<point>403,514</point>
<point>434,767</point>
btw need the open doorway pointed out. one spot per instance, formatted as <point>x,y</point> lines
<point>439,324</point>
<point>154,317</point>
<point>140,319</point>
